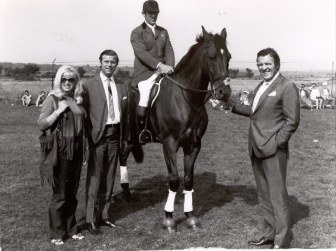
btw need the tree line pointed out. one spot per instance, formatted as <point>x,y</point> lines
<point>31,71</point>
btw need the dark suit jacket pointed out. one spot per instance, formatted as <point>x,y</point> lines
<point>96,106</point>
<point>275,118</point>
<point>150,50</point>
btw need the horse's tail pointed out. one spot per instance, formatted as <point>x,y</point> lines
<point>138,153</point>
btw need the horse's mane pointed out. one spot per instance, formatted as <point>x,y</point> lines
<point>192,50</point>
<point>200,40</point>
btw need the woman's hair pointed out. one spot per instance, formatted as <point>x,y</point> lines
<point>57,91</point>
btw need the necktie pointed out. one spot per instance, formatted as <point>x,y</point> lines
<point>111,107</point>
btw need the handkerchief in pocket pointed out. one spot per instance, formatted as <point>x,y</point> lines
<point>272,94</point>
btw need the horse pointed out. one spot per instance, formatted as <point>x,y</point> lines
<point>179,117</point>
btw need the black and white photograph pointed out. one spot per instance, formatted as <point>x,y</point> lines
<point>167,125</point>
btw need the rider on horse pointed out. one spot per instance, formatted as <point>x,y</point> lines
<point>154,55</point>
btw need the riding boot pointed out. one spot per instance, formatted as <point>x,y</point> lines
<point>144,134</point>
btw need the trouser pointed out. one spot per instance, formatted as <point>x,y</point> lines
<point>270,176</point>
<point>101,174</point>
<point>62,220</point>
<point>145,88</point>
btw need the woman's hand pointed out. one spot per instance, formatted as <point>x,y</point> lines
<point>62,106</point>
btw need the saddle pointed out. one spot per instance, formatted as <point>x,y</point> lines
<point>148,131</point>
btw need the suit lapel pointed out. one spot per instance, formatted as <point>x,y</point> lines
<point>119,94</point>
<point>268,91</point>
<point>254,94</point>
<point>157,32</point>
<point>149,31</point>
<point>100,88</point>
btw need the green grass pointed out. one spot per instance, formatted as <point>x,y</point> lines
<point>224,199</point>
<point>11,90</point>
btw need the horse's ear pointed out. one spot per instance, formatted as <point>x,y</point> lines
<point>223,33</point>
<point>204,32</point>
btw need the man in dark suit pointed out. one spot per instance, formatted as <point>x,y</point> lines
<point>104,101</point>
<point>274,117</point>
<point>152,49</point>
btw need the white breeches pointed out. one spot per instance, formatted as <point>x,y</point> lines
<point>145,88</point>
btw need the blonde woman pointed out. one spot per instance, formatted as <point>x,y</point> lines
<point>62,113</point>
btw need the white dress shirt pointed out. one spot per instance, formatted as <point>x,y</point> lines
<point>113,86</point>
<point>152,27</point>
<point>261,90</point>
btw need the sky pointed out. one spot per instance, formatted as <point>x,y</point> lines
<point>76,31</point>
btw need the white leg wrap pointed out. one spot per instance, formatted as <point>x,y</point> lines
<point>123,174</point>
<point>169,207</point>
<point>188,204</point>
<point>145,88</point>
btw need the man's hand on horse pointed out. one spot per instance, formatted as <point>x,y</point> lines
<point>165,69</point>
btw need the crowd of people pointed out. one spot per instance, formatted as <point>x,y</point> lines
<point>319,98</point>
<point>86,122</point>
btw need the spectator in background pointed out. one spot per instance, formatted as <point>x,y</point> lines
<point>216,104</point>
<point>304,100</point>
<point>244,98</point>
<point>326,97</point>
<point>315,96</point>
<point>40,99</point>
<point>26,98</point>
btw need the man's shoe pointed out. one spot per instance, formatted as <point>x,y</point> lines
<point>262,241</point>
<point>92,228</point>
<point>110,224</point>
<point>275,246</point>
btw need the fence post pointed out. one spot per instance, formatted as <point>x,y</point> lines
<point>52,74</point>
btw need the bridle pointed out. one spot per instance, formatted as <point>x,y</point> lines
<point>209,93</point>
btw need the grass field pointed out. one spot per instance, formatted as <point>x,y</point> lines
<point>224,199</point>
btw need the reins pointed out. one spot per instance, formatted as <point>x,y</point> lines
<point>208,92</point>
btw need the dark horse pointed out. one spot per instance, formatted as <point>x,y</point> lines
<point>179,117</point>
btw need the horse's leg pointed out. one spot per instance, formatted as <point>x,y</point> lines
<point>124,179</point>
<point>169,150</point>
<point>190,154</point>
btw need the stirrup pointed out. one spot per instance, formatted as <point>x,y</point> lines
<point>145,136</point>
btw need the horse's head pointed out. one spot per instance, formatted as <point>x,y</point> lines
<point>217,57</point>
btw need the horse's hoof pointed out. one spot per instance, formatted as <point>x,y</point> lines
<point>194,227</point>
<point>171,230</point>
<point>169,224</point>
<point>192,223</point>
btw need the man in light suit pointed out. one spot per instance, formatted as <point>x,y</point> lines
<point>104,101</point>
<point>274,117</point>
<point>152,50</point>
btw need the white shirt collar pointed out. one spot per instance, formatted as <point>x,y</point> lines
<point>270,82</point>
<point>104,78</point>
<point>152,27</point>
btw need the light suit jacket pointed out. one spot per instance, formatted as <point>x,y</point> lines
<point>150,50</point>
<point>275,119</point>
<point>96,106</point>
